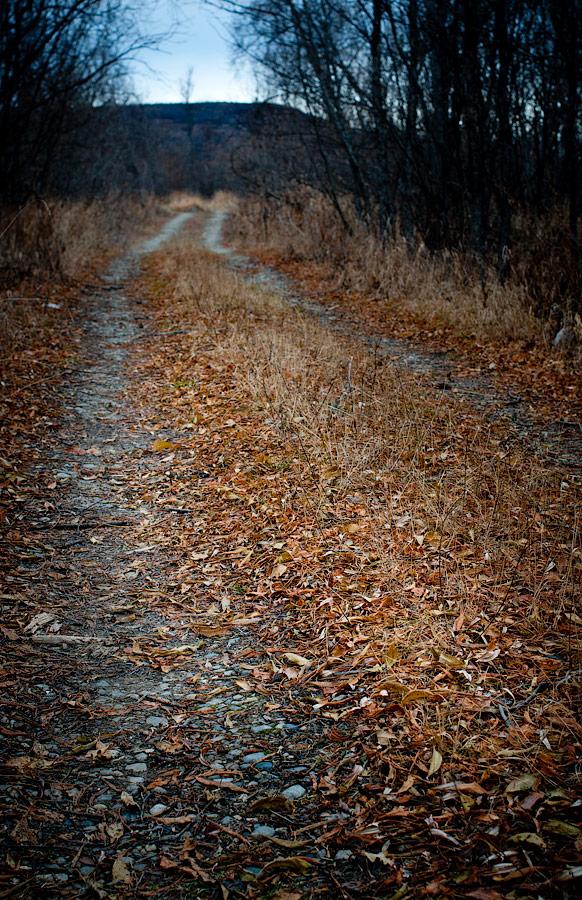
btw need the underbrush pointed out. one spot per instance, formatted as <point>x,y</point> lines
<point>48,237</point>
<point>449,288</point>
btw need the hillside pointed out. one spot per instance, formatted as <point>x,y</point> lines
<point>220,146</point>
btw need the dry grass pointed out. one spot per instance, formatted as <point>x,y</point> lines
<point>491,526</point>
<point>448,288</point>
<point>59,237</point>
<point>180,201</point>
<point>417,527</point>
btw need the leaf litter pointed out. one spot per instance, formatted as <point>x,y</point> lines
<point>335,647</point>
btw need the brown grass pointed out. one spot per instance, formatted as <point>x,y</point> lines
<point>447,288</point>
<point>427,469</point>
<point>58,237</point>
<point>425,529</point>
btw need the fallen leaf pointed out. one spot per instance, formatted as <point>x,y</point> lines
<point>100,751</point>
<point>288,845</point>
<point>557,826</point>
<point>298,660</point>
<point>160,445</point>
<point>211,630</point>
<point>422,695</point>
<point>296,864</point>
<point>485,894</point>
<point>435,762</point>
<point>114,831</point>
<point>120,873</point>
<point>528,837</point>
<point>379,857</point>
<point>278,802</point>
<point>522,783</point>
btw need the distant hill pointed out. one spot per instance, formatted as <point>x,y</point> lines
<point>224,146</point>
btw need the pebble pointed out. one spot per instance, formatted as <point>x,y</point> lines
<point>265,766</point>
<point>137,767</point>
<point>158,809</point>
<point>250,758</point>
<point>259,729</point>
<point>294,792</point>
<point>157,721</point>
<point>343,854</point>
<point>263,831</point>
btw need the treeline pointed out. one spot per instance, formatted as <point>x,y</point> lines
<point>458,121</point>
<point>63,70</point>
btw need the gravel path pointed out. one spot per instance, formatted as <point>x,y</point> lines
<point>109,765</point>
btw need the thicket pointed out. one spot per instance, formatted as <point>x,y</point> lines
<point>454,125</point>
<point>66,141</point>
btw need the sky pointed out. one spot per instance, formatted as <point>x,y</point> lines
<point>199,42</point>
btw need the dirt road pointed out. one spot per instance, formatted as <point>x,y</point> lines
<point>175,721</point>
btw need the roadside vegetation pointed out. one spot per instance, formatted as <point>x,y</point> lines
<point>258,492</point>
<point>401,277</point>
<point>440,158</point>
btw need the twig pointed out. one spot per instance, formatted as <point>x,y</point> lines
<point>8,227</point>
<point>152,334</point>
<point>347,391</point>
<point>59,640</point>
<point>505,708</point>
<point>65,526</point>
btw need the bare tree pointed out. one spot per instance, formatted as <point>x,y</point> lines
<point>446,117</point>
<point>59,59</point>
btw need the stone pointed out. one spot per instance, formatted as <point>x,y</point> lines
<point>263,831</point>
<point>294,792</point>
<point>157,721</point>
<point>158,809</point>
<point>343,854</point>
<point>137,767</point>
<point>265,766</point>
<point>250,758</point>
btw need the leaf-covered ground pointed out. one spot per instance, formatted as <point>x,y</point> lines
<point>279,618</point>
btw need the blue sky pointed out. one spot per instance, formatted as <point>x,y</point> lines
<point>199,41</point>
